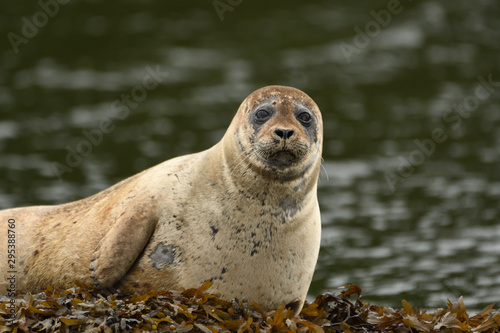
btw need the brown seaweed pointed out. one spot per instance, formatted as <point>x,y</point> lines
<point>194,310</point>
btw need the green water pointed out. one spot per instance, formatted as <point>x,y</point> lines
<point>410,95</point>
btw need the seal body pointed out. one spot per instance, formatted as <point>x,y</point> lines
<point>243,214</point>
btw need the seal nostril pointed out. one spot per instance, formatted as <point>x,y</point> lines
<point>284,133</point>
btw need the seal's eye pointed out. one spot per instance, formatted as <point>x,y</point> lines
<point>305,118</point>
<point>262,115</point>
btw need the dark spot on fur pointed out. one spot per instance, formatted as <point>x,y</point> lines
<point>214,231</point>
<point>57,225</point>
<point>42,239</point>
<point>289,208</point>
<point>256,246</point>
<point>35,253</point>
<point>220,277</point>
<point>289,205</point>
<point>163,255</point>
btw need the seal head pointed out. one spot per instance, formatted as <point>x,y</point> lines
<point>279,131</point>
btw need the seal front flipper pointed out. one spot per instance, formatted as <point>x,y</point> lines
<point>121,246</point>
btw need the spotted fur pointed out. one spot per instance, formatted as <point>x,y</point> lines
<point>243,214</point>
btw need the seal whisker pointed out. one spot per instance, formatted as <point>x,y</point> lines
<point>324,169</point>
<point>245,158</point>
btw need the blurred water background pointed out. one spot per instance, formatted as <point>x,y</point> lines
<point>409,90</point>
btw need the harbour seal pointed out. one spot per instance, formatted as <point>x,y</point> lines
<point>243,214</point>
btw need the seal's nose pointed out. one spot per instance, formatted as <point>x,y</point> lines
<point>284,133</point>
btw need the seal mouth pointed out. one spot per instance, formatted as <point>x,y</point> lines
<point>282,158</point>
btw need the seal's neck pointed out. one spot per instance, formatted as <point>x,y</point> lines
<point>239,174</point>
